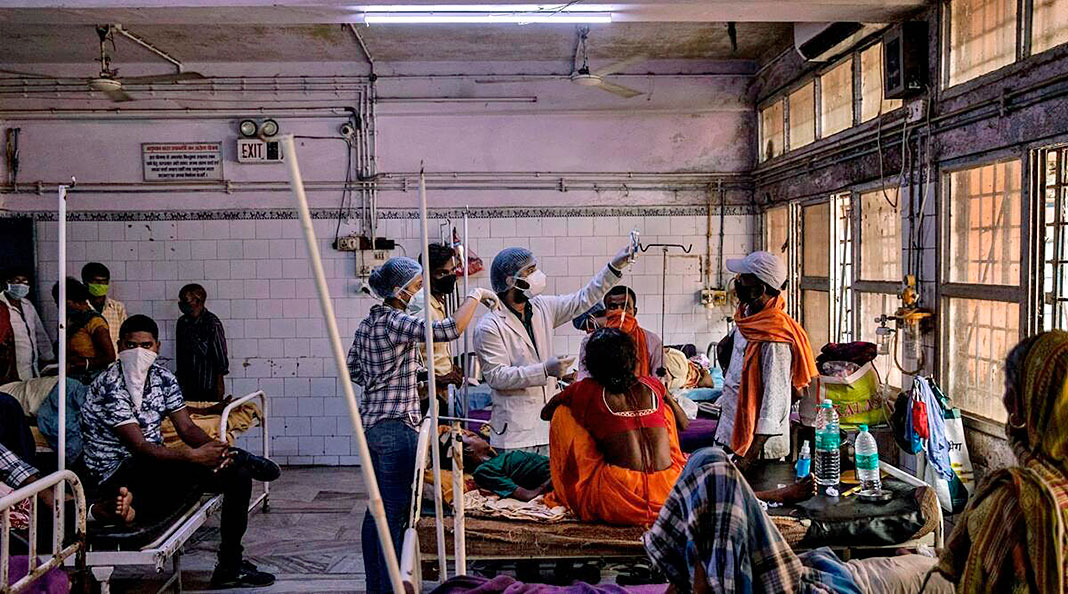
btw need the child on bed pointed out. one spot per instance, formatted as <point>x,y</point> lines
<point>516,474</point>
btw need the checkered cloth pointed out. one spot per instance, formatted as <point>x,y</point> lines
<point>13,470</point>
<point>384,360</point>
<point>713,518</point>
<point>115,314</point>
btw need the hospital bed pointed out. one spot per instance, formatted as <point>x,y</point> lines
<point>498,539</point>
<point>162,541</point>
<point>38,565</point>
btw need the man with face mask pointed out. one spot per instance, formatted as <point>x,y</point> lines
<point>384,360</point>
<point>97,279</point>
<point>200,348</point>
<point>121,427</point>
<point>32,345</point>
<point>442,261</point>
<point>515,343</point>
<point>771,361</point>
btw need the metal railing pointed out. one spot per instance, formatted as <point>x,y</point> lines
<point>224,419</point>
<point>34,568</point>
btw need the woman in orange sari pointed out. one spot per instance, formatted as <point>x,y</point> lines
<point>613,444</point>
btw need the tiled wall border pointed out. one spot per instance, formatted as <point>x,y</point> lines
<point>329,213</point>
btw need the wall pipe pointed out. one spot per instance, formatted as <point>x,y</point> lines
<point>375,505</point>
<point>431,386</point>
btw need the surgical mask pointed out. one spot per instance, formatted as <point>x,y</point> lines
<point>185,308</point>
<point>535,282</point>
<point>18,290</point>
<point>444,285</point>
<point>97,289</point>
<point>135,365</point>
<point>402,293</point>
<point>417,303</point>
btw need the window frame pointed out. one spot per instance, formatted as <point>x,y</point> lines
<point>762,134</point>
<point>1022,294</point>
<point>788,145</point>
<point>852,59</point>
<point>1021,51</point>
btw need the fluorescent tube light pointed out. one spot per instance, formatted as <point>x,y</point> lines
<point>487,17</point>
<point>486,8</point>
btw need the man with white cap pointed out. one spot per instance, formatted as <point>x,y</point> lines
<point>516,348</point>
<point>770,362</point>
<point>384,360</point>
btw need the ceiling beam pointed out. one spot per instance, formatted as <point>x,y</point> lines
<point>163,12</point>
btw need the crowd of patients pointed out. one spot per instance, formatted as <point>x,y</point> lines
<point>601,439</point>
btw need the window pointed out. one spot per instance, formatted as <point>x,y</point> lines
<point>1053,178</point>
<point>815,318</point>
<point>984,225</point>
<point>841,280</point>
<point>880,236</point>
<point>982,37</point>
<point>1049,24</point>
<point>776,225</point>
<point>836,99</point>
<point>980,335</point>
<point>982,239</point>
<point>803,116</point>
<point>872,103</point>
<point>816,228</point>
<point>771,131</point>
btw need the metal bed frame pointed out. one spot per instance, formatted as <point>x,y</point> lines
<point>169,545</point>
<point>59,554</point>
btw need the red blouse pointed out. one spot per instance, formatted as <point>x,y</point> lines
<point>588,402</point>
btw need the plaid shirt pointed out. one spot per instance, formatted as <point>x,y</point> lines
<point>384,360</point>
<point>13,470</point>
<point>713,518</point>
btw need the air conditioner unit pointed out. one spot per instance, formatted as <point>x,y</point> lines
<point>819,42</point>
<point>905,60</point>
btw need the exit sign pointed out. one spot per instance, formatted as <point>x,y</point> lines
<point>254,150</point>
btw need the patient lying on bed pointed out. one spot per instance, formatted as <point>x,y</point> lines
<point>516,474</point>
<point>613,442</point>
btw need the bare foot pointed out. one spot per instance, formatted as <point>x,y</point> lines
<point>124,506</point>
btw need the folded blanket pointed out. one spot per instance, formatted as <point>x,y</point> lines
<point>535,510</point>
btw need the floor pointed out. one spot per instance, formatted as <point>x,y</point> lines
<point>310,539</point>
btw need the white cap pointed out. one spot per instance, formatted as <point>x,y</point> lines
<point>766,266</point>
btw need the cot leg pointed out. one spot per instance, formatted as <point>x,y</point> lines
<point>178,572</point>
<point>103,577</point>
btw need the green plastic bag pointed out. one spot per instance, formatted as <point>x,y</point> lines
<point>857,397</point>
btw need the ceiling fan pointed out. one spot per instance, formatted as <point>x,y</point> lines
<point>581,73</point>
<point>108,80</point>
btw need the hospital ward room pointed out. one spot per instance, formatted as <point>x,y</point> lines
<point>651,297</point>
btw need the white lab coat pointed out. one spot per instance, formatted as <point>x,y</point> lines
<point>512,365</point>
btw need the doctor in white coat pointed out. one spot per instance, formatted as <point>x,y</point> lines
<point>515,343</point>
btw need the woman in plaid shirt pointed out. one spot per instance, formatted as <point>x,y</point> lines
<point>384,360</point>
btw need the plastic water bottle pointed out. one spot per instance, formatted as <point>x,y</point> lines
<point>828,462</point>
<point>804,461</point>
<point>867,461</point>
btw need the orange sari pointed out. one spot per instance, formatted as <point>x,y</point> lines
<point>597,491</point>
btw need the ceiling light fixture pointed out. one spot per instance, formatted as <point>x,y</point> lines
<point>486,13</point>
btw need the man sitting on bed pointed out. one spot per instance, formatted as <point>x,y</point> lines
<point>121,422</point>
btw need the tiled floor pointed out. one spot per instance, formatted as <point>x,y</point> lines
<point>310,539</point>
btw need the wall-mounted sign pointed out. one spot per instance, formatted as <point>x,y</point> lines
<point>181,161</point>
<point>254,150</point>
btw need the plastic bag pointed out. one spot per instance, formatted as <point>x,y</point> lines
<point>858,396</point>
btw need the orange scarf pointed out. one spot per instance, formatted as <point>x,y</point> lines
<point>629,326</point>
<point>770,324</point>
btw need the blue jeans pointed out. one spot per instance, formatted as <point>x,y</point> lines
<point>392,444</point>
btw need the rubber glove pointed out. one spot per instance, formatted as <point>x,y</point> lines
<point>558,366</point>
<point>622,258</point>
<point>485,297</point>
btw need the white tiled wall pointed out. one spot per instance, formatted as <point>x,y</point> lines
<point>259,283</point>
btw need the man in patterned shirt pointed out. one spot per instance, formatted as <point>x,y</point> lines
<point>97,279</point>
<point>121,422</point>
<point>384,361</point>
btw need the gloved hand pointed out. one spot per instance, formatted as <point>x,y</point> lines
<point>622,258</point>
<point>558,366</point>
<point>485,297</point>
